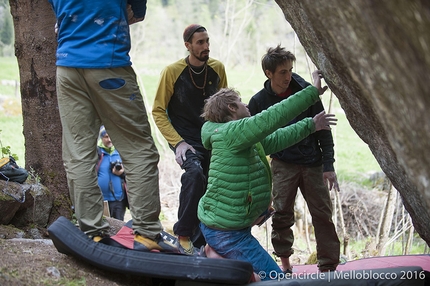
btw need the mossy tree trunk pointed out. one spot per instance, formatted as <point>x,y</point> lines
<point>35,45</point>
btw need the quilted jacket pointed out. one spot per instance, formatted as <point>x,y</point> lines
<point>239,183</point>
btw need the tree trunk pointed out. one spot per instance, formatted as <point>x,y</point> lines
<point>387,219</point>
<point>35,45</point>
<point>408,245</point>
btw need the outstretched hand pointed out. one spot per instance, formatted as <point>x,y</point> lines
<point>317,76</point>
<point>181,150</point>
<point>323,121</point>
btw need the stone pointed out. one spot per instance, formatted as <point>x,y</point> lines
<point>25,204</point>
<point>375,57</point>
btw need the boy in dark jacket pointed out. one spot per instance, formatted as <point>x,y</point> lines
<point>307,165</point>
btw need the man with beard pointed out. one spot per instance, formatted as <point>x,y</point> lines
<point>183,88</point>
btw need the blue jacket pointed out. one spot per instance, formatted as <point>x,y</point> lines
<point>88,38</point>
<point>110,184</point>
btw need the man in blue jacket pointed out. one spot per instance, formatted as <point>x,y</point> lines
<point>111,176</point>
<point>307,165</point>
<point>95,84</point>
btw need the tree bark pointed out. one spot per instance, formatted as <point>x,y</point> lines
<point>35,46</point>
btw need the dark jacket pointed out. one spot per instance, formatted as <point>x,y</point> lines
<point>314,150</point>
<point>178,104</point>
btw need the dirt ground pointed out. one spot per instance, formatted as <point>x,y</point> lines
<point>37,262</point>
<point>34,262</point>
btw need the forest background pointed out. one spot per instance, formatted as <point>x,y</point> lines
<point>240,32</point>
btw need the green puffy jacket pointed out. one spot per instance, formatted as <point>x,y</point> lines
<point>240,183</point>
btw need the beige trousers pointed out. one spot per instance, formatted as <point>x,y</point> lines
<point>88,98</point>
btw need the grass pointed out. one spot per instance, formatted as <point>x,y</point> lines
<point>10,109</point>
<point>11,135</point>
<point>365,247</point>
<point>9,68</point>
<point>354,161</point>
<point>9,77</point>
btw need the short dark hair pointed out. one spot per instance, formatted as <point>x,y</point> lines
<point>275,57</point>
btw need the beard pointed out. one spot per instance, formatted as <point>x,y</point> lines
<point>201,57</point>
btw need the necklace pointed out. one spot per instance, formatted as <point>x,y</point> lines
<point>192,79</point>
<point>195,71</point>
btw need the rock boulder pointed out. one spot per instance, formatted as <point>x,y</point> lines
<point>375,56</point>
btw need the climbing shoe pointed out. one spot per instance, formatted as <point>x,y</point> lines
<point>98,237</point>
<point>185,246</point>
<point>142,243</point>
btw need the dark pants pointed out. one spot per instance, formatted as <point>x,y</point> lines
<point>194,182</point>
<point>117,209</point>
<point>287,179</point>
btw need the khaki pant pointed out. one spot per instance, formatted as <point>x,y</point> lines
<point>88,98</point>
<point>287,179</point>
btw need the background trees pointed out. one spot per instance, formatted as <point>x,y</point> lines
<point>6,29</point>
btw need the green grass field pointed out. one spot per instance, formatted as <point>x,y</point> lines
<point>354,161</point>
<point>10,117</point>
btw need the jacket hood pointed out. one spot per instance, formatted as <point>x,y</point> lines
<point>103,147</point>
